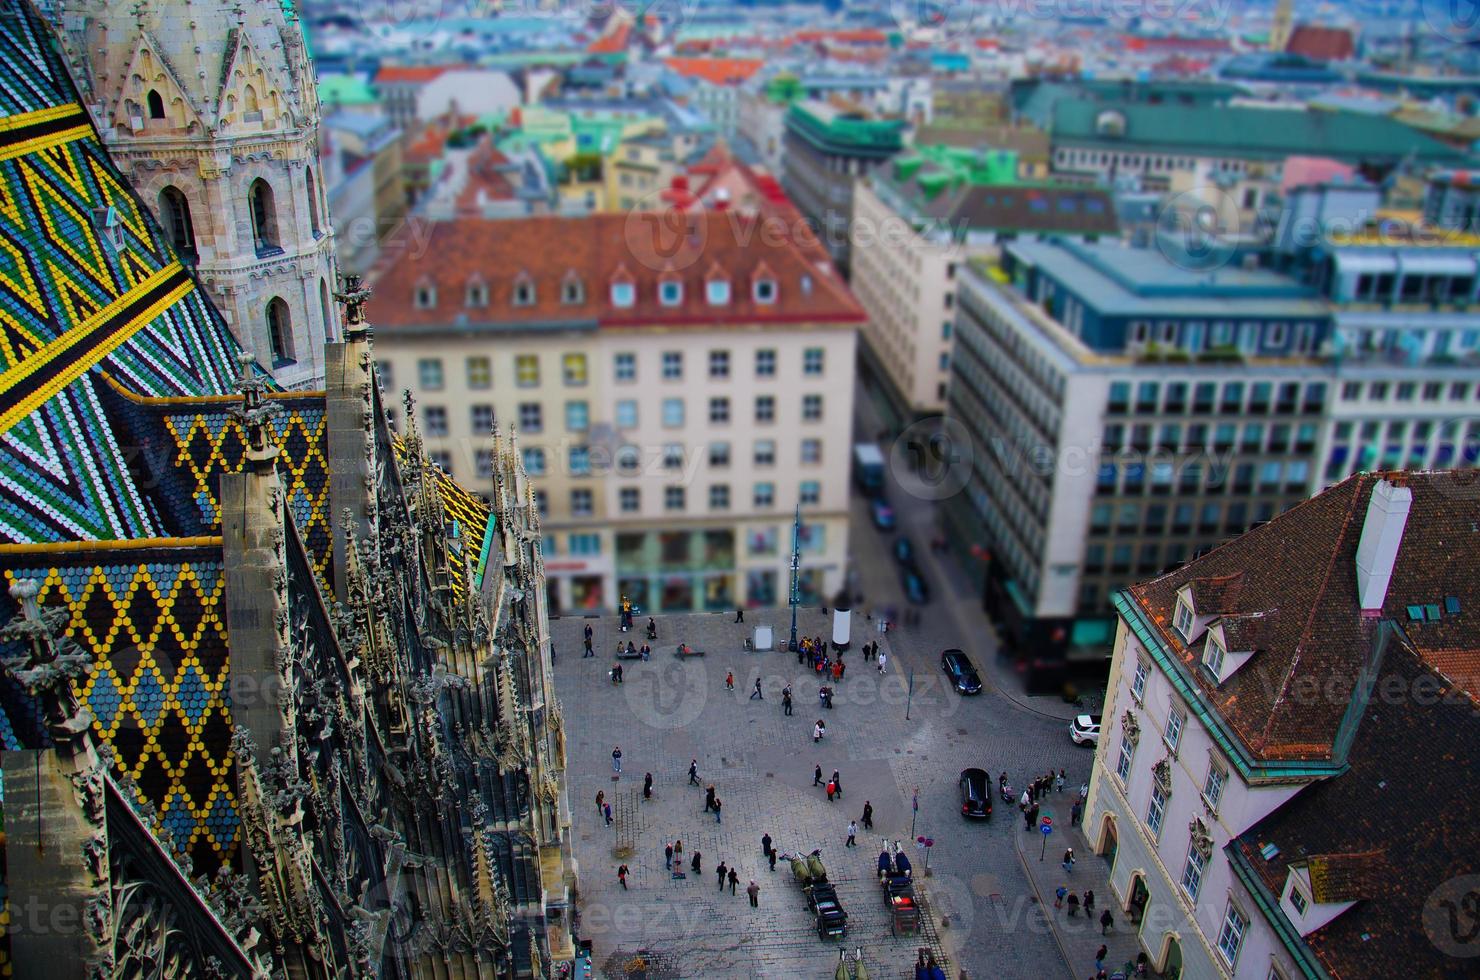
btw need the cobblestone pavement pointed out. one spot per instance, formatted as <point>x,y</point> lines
<point>983,914</point>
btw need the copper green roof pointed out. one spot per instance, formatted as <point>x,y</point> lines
<point>834,131</point>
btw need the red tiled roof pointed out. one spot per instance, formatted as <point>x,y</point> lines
<point>1302,566</point>
<point>864,35</point>
<point>599,248</point>
<point>613,43</point>
<point>432,141</point>
<point>1322,43</point>
<point>409,74</point>
<point>485,181</point>
<point>717,71</point>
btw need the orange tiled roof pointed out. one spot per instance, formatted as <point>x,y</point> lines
<point>404,74</point>
<point>717,71</point>
<point>613,43</point>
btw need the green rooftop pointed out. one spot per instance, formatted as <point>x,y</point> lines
<point>850,134</point>
<point>345,90</point>
<point>936,167</point>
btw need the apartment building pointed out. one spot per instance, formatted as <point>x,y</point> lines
<point>1287,723</point>
<point>676,392</point>
<point>716,87</point>
<point>915,221</point>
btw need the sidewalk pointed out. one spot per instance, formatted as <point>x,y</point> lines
<point>1079,937</point>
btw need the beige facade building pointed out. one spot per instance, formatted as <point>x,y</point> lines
<point>675,398</point>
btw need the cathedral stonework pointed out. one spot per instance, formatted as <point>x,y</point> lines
<point>275,691</point>
<point>210,109</point>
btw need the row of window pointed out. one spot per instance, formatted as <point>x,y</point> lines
<point>1251,438</point>
<point>434,418</point>
<point>1292,476</point>
<point>1196,336</point>
<point>1404,391</point>
<point>623,294</point>
<point>675,500</point>
<point>1231,398</point>
<point>574,368</point>
<point>1130,519</point>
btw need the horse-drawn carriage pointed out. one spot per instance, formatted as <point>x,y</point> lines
<point>822,898</point>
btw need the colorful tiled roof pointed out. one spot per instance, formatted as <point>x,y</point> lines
<point>716,71</point>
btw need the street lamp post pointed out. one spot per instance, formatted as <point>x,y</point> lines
<point>796,571</point>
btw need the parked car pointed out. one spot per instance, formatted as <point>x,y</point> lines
<point>961,671</point>
<point>976,793</point>
<point>916,592</point>
<point>1085,729</point>
<point>904,552</point>
<point>882,514</point>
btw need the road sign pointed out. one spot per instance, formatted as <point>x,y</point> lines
<point>1047,829</point>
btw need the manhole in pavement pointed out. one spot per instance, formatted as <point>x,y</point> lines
<point>723,761</point>
<point>770,775</point>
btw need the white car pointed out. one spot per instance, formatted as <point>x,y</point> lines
<point>1085,728</point>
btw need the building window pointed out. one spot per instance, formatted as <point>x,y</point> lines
<point>577,416</point>
<point>1213,785</point>
<point>441,459</point>
<point>1213,655</point>
<point>672,365</point>
<point>580,502</point>
<point>1298,899</point>
<point>717,292</point>
<point>765,408</point>
<point>624,367</point>
<point>1138,683</point>
<point>812,361</point>
<point>1183,619</point>
<point>627,414</point>
<point>1127,752</point>
<point>673,456</point>
<point>765,452</point>
<point>385,374</point>
<point>573,369</point>
<point>534,461</point>
<point>482,419</point>
<point>719,364</point>
<point>174,214</point>
<point>811,451</point>
<point>810,492</point>
<point>719,411</point>
<point>571,291</point>
<point>811,408</point>
<point>1231,936</point>
<point>672,413</point>
<point>670,293</point>
<point>483,464</point>
<point>673,498</point>
<point>264,217</point>
<point>630,500</point>
<point>584,544</point>
<point>719,496</point>
<point>764,291</point>
<point>624,294</point>
<point>765,363</point>
<point>527,370</point>
<point>1192,874</point>
<point>580,460</point>
<point>542,503</point>
<point>1175,720</point>
<point>530,417</point>
<point>480,373</point>
<point>156,105</point>
<point>1157,812</point>
<point>765,496</point>
<point>523,292</point>
<point>719,454</point>
<point>434,418</point>
<point>280,331</point>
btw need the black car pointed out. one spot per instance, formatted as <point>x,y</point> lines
<point>961,671</point>
<point>904,552</point>
<point>976,794</point>
<point>916,592</point>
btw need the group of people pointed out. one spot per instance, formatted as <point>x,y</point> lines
<point>834,785</point>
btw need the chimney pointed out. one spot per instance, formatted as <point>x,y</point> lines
<point>1382,534</point>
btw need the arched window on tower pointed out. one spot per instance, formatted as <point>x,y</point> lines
<point>174,216</point>
<point>249,104</point>
<point>280,331</point>
<point>313,202</point>
<point>156,105</point>
<point>264,218</point>
<point>327,308</point>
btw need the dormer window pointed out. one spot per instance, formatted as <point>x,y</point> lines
<point>523,291</point>
<point>1182,619</point>
<point>1298,901</point>
<point>806,284</point>
<point>1214,655</point>
<point>670,292</point>
<point>624,294</point>
<point>571,291</point>
<point>425,296</point>
<point>477,294</point>
<point>717,292</point>
<point>764,291</point>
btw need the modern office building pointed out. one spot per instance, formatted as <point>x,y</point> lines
<point>915,221</point>
<point>826,150</point>
<point>1287,722</point>
<point>676,393</point>
<point>1127,414</point>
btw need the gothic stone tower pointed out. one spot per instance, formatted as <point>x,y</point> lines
<point>210,109</point>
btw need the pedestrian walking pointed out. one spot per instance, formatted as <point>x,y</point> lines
<point>587,631</point>
<point>1023,802</point>
<point>729,680</point>
<point>883,659</point>
<point>588,651</point>
<point>754,891</point>
<point>832,788</point>
<point>756,694</point>
<point>837,783</point>
<point>617,760</point>
<point>818,730</point>
<point>716,809</point>
<point>842,667</point>
<point>1069,860</point>
<point>739,615</point>
<point>1075,813</point>
<point>766,845</point>
<point>720,873</point>
<point>1089,902</point>
<point>772,858</point>
<point>1032,816</point>
<point>868,815</point>
<point>647,786</point>
<point>668,857</point>
<point>817,776</point>
<point>694,772</point>
<point>698,863</point>
<point>678,852</point>
<point>1083,792</point>
<point>1058,783</point>
<point>1106,921</point>
<point>734,880</point>
<point>1058,896</point>
<point>622,876</point>
<point>786,701</point>
<point>1073,902</point>
<point>708,799</point>
<point>1100,955</point>
<point>608,814</point>
<point>600,799</point>
<point>646,651</point>
<point>852,833</point>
